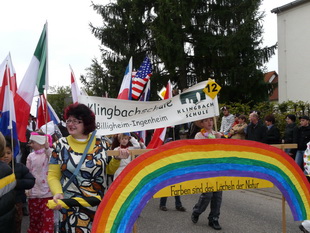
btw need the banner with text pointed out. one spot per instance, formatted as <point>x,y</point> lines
<point>212,185</point>
<point>118,116</point>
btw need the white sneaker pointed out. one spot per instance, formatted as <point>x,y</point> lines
<point>305,226</point>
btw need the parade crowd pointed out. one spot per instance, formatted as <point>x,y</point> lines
<point>69,160</point>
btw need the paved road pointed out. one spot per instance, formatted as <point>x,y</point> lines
<point>243,211</point>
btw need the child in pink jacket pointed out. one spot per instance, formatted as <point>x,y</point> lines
<point>41,217</point>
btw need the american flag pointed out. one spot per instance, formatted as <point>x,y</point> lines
<point>141,78</point>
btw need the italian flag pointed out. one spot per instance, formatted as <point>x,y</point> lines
<point>36,75</point>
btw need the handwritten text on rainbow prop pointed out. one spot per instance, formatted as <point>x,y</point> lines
<point>213,185</point>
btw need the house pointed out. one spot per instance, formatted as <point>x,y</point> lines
<point>272,77</point>
<point>294,50</point>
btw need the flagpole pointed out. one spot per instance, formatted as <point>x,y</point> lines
<point>47,66</point>
<point>10,126</point>
<point>46,80</point>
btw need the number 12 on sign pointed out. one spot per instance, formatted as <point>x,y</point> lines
<point>212,88</point>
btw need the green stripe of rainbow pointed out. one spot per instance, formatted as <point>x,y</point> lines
<point>195,159</point>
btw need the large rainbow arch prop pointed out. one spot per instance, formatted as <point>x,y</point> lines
<point>195,159</point>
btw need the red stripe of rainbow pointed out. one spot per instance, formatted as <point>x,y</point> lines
<point>195,159</point>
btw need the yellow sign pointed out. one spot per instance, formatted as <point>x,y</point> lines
<point>212,185</point>
<point>212,88</point>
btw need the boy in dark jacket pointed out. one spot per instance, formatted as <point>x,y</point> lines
<point>290,133</point>
<point>24,180</point>
<point>7,193</point>
<point>273,133</point>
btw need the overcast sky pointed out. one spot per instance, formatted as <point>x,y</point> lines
<point>69,38</point>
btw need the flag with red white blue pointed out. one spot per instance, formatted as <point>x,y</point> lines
<point>8,118</point>
<point>125,90</point>
<point>142,76</point>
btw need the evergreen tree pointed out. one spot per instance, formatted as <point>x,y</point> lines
<point>188,42</point>
<point>97,81</point>
<point>226,43</point>
<point>125,33</point>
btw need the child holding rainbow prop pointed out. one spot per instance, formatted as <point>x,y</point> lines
<point>215,198</point>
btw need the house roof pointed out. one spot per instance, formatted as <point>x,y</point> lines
<point>288,6</point>
<point>271,77</point>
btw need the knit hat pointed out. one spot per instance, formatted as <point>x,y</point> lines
<point>41,139</point>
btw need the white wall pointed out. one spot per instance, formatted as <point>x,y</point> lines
<point>294,53</point>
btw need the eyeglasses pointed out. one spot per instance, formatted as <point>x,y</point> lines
<point>74,121</point>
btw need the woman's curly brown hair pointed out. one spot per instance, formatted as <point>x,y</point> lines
<point>83,113</point>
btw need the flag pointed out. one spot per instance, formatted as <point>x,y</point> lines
<point>7,64</point>
<point>141,78</point>
<point>42,116</point>
<point>40,55</point>
<point>146,93</point>
<point>75,90</point>
<point>52,114</point>
<point>12,74</point>
<point>162,93</point>
<point>160,134</point>
<point>158,138</point>
<point>8,119</point>
<point>145,97</point>
<point>36,75</point>
<point>125,90</point>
